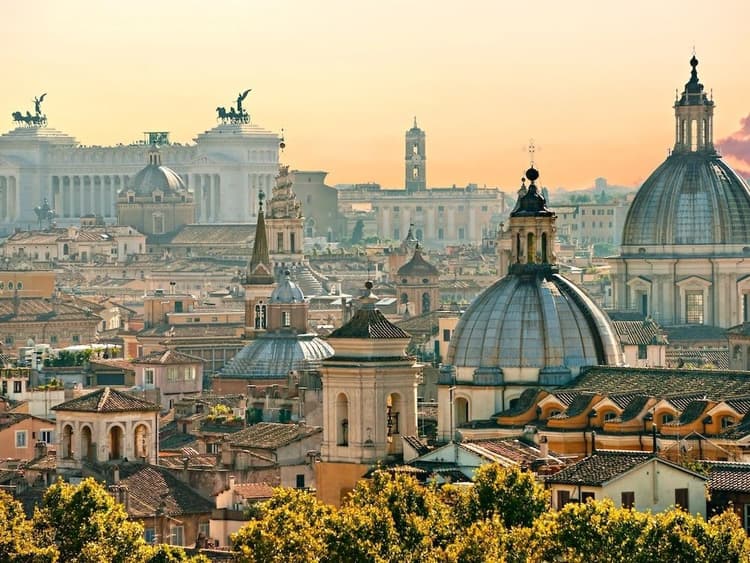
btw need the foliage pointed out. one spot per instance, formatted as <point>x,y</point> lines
<point>85,524</point>
<point>17,541</point>
<point>222,414</point>
<point>170,554</point>
<point>67,358</point>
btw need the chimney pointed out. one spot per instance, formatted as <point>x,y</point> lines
<point>593,442</point>
<point>185,464</point>
<point>226,452</point>
<point>232,481</point>
<point>40,449</point>
<point>543,448</point>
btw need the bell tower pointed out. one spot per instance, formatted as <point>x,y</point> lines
<point>259,279</point>
<point>694,116</point>
<point>415,160</point>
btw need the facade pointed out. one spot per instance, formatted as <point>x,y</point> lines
<point>225,169</point>
<point>532,327</point>
<point>172,374</point>
<point>19,433</point>
<point>585,224</point>
<point>684,249</point>
<point>638,480</point>
<point>156,200</point>
<point>369,399</point>
<point>106,425</point>
<point>440,216</point>
<point>27,283</point>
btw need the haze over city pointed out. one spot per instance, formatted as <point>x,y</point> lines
<point>592,83</point>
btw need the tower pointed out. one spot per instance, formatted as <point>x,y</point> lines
<point>369,399</point>
<point>259,281</point>
<point>417,286</point>
<point>285,223</point>
<point>694,116</point>
<point>415,160</point>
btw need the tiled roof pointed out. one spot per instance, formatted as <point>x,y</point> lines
<point>33,309</point>
<point>150,486</point>
<point>509,449</point>
<point>107,400</point>
<point>168,357</point>
<point>599,468</point>
<point>193,330</point>
<point>369,323</point>
<point>418,266</point>
<point>577,406</point>
<point>110,363</point>
<point>695,332</point>
<point>728,476</point>
<point>524,403</point>
<point>271,435</point>
<point>679,357</point>
<point>254,491</point>
<point>416,444</point>
<point>239,234</point>
<point>662,383</point>
<point>633,408</point>
<point>639,332</point>
<point>176,461</point>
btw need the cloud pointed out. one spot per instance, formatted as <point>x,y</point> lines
<point>737,145</point>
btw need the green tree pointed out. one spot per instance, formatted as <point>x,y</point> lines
<point>508,492</point>
<point>170,554</point>
<point>87,525</point>
<point>292,527</point>
<point>17,540</point>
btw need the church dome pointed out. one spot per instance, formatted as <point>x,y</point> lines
<point>532,321</point>
<point>287,292</point>
<point>273,356</point>
<point>156,177</point>
<point>694,197</point>
<point>418,266</point>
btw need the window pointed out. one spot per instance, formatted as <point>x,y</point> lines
<point>627,499</point>
<point>441,234</point>
<point>214,448</point>
<point>76,339</point>
<point>484,208</point>
<point>18,386</point>
<point>642,352</point>
<point>441,209</point>
<point>286,319</point>
<point>19,285</point>
<point>461,233</point>
<point>727,421</point>
<point>563,498</point>
<point>205,529</point>
<point>158,220</point>
<point>9,340</point>
<point>45,436</point>
<point>609,416</point>
<point>419,208</point>
<point>178,535</point>
<point>300,480</point>
<point>446,335</point>
<point>279,242</point>
<point>21,438</point>
<point>667,418</point>
<point>586,495</point>
<point>149,534</point>
<point>148,376</point>
<point>178,307</point>
<point>681,499</point>
<point>694,307</point>
<point>172,373</point>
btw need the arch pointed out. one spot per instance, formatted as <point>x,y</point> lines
<point>518,247</point>
<point>425,302</point>
<point>530,248</point>
<point>544,248</point>
<point>461,410</point>
<point>394,406</point>
<point>87,450</point>
<point>342,420</point>
<point>115,435</point>
<point>67,441</point>
<point>404,298</point>
<point>141,441</point>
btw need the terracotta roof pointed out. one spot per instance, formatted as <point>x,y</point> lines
<point>193,330</point>
<point>639,332</point>
<point>32,309</point>
<point>254,491</point>
<point>369,323</point>
<point>107,400</point>
<point>239,234</point>
<point>678,357</point>
<point>168,357</point>
<point>599,468</point>
<point>149,487</point>
<point>271,435</point>
<point>728,476</point>
<point>691,333</point>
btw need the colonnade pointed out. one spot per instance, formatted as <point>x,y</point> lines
<point>76,195</point>
<point>8,198</point>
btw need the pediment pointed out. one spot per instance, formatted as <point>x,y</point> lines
<point>693,281</point>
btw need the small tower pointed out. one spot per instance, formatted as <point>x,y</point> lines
<point>259,281</point>
<point>369,399</point>
<point>694,116</point>
<point>531,230</point>
<point>285,223</point>
<point>415,160</point>
<point>417,286</point>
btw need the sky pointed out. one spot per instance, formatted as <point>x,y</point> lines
<point>591,82</point>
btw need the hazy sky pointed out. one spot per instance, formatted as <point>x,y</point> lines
<point>591,82</point>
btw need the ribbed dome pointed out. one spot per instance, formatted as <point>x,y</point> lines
<point>287,292</point>
<point>692,198</point>
<point>273,356</point>
<point>528,321</point>
<point>157,178</point>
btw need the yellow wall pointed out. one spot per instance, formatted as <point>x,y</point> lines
<point>336,480</point>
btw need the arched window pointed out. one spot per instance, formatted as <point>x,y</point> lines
<point>425,302</point>
<point>530,250</point>
<point>544,248</point>
<point>67,442</point>
<point>115,442</point>
<point>140,441</point>
<point>518,247</point>
<point>404,298</point>
<point>342,420</point>
<point>461,408</point>
<point>87,450</point>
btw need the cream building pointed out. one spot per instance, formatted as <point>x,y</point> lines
<point>686,239</point>
<point>225,168</point>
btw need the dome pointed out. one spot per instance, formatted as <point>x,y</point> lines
<point>287,292</point>
<point>155,177</point>
<point>531,321</point>
<point>418,266</point>
<point>692,198</point>
<point>273,356</point>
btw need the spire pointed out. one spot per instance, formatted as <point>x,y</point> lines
<point>415,122</point>
<point>693,94</point>
<point>693,116</point>
<point>259,270</point>
<point>532,203</point>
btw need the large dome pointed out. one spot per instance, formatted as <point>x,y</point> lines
<point>156,177</point>
<point>524,321</point>
<point>692,198</point>
<point>273,356</point>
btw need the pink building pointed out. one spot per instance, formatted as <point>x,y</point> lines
<point>170,375</point>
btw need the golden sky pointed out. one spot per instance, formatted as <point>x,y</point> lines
<point>591,81</point>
